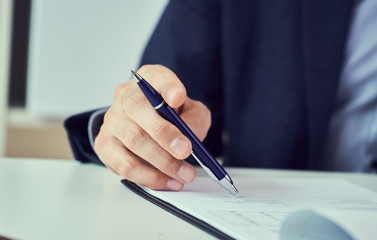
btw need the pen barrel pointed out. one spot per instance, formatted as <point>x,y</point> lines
<point>198,148</point>
<point>150,93</point>
<point>200,151</point>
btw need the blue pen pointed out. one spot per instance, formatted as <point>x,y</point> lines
<point>199,152</point>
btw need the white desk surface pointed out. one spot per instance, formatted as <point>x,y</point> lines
<point>62,199</point>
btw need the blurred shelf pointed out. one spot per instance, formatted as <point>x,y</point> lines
<point>19,117</point>
<point>31,136</point>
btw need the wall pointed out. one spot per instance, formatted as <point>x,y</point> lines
<point>5,33</point>
<point>79,51</point>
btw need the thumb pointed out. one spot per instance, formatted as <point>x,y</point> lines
<point>197,117</point>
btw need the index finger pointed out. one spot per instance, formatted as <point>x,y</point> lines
<point>166,83</point>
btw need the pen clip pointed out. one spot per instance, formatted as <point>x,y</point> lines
<point>210,173</point>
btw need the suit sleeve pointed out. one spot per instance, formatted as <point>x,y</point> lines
<point>81,137</point>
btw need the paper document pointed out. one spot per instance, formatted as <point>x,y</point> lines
<point>281,208</point>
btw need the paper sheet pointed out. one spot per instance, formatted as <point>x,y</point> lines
<point>264,203</point>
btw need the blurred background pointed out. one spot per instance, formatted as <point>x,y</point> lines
<point>58,58</point>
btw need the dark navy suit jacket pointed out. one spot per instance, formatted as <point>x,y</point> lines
<point>268,70</point>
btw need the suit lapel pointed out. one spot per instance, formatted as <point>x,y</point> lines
<point>325,31</point>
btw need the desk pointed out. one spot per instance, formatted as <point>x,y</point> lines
<point>62,199</point>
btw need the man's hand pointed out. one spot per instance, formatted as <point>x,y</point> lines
<point>140,145</point>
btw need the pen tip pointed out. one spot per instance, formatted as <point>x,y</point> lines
<point>234,192</point>
<point>227,183</point>
<point>136,76</point>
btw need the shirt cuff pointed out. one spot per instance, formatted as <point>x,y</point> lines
<point>95,123</point>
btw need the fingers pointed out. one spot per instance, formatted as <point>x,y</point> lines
<point>166,83</point>
<point>135,139</point>
<point>140,145</point>
<point>163,132</point>
<point>196,115</point>
<point>132,168</point>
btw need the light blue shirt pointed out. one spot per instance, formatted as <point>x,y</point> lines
<point>352,137</point>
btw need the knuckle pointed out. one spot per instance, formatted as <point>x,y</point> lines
<point>133,136</point>
<point>132,103</point>
<point>99,144</point>
<point>126,168</point>
<point>109,115</point>
<point>119,90</point>
<point>152,71</point>
<point>160,130</point>
<point>145,68</point>
<point>150,68</point>
<point>154,181</point>
<point>167,165</point>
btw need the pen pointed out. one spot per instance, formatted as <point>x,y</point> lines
<point>199,151</point>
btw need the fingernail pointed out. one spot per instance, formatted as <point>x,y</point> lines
<point>179,146</point>
<point>174,185</point>
<point>171,94</point>
<point>186,173</point>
